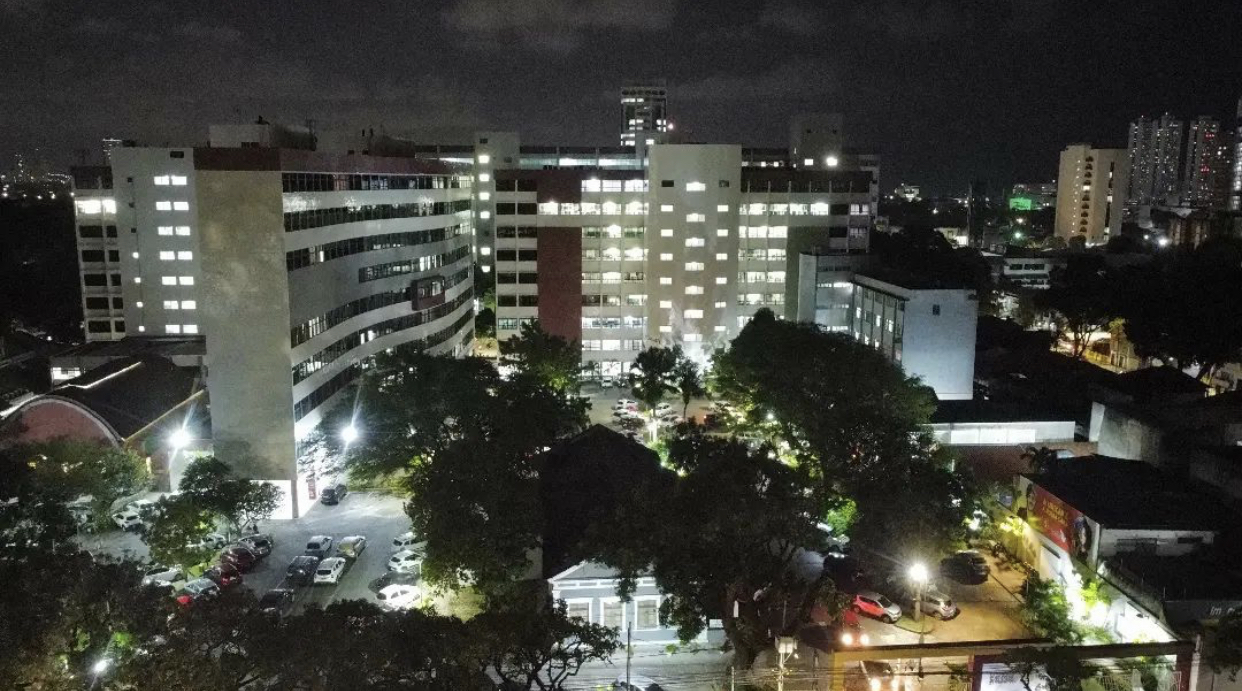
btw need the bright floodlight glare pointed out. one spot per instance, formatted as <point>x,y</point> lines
<point>349,434</point>
<point>1163,242</point>
<point>180,438</point>
<point>918,572</point>
<point>831,161</point>
<point>101,665</point>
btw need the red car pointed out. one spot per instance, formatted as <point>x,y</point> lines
<point>225,575</point>
<point>877,606</point>
<point>240,557</point>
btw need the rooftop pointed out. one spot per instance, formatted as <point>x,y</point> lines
<point>131,393</point>
<point>137,346</point>
<point>1123,494</point>
<point>985,410</point>
<point>1156,383</point>
<point>912,281</point>
<point>1194,576</point>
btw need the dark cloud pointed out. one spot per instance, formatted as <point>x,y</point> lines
<point>552,25</point>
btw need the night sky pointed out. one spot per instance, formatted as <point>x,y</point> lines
<point>946,90</point>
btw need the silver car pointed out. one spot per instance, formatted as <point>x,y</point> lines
<point>938,605</point>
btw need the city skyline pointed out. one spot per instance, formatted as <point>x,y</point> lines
<point>736,72</point>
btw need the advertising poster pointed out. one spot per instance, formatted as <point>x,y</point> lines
<point>1061,523</point>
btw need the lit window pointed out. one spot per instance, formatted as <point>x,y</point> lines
<point>164,230</point>
<point>808,161</point>
<point>666,232</point>
<point>168,280</point>
<point>167,255</point>
<point>191,328</point>
<point>666,256</point>
<point>141,328</point>
<point>720,305</point>
<point>487,269</point>
<point>722,208</point>
<point>161,180</point>
<point>694,266</point>
<point>666,280</point>
<point>721,280</point>
<point>666,208</point>
<point>185,280</point>
<point>163,206</point>
<point>484,196</point>
<point>89,207</point>
<point>139,304</point>
<point>666,329</point>
<point>181,206</point>
<point>189,304</point>
<point>666,304</point>
<point>695,218</point>
<point>694,242</point>
<point>183,230</point>
<point>722,232</point>
<point>485,215</point>
<point>720,329</point>
<point>694,290</point>
<point>722,257</point>
<point>137,279</point>
<point>484,158</point>
<point>179,180</point>
<point>831,161</point>
<point>693,314</point>
<point>185,256</point>
<point>819,209</point>
<point>485,251</point>
<point>134,255</point>
<point>171,305</point>
<point>485,177</point>
<point>109,206</point>
<point>694,338</point>
<point>695,187</point>
<point>172,328</point>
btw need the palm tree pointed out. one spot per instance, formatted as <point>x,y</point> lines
<point>652,375</point>
<point>689,382</point>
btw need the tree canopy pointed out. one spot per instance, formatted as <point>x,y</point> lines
<point>211,485</point>
<point>551,359</point>
<point>64,469</point>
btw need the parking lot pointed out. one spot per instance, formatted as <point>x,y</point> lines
<point>378,517</point>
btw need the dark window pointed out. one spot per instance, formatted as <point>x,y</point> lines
<point>526,185</point>
<point>482,140</point>
<point>92,255</point>
<point>724,183</point>
<point>528,300</point>
<point>110,231</point>
<point>528,277</point>
<point>114,255</point>
<point>119,325</point>
<point>506,185</point>
<point>96,303</point>
<point>98,327</point>
<point>114,279</point>
<point>176,154</point>
<point>90,231</point>
<point>667,183</point>
<point>839,209</point>
<point>935,310</point>
<point>506,255</point>
<point>528,255</point>
<point>118,303</point>
<point>506,300</point>
<point>505,208</point>
<point>506,277</point>
<point>838,231</point>
<point>95,280</point>
<point>528,209</point>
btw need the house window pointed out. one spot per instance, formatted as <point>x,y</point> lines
<point>612,613</point>
<point>646,613</point>
<point>935,310</point>
<point>578,609</point>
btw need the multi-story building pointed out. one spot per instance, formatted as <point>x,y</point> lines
<point>1206,164</point>
<point>1155,149</point>
<point>1235,187</point>
<point>1091,191</point>
<point>99,253</point>
<point>682,252</point>
<point>295,267</point>
<point>910,193</point>
<point>644,115</point>
<point>1033,196</point>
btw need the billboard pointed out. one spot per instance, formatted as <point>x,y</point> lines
<point>1061,523</point>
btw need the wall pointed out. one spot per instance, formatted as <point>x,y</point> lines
<point>560,281</point>
<point>1003,433</point>
<point>1122,436</point>
<point>932,346</point>
<point>49,417</point>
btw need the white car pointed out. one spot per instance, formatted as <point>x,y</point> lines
<point>144,507</point>
<point>330,570</point>
<point>623,403</point>
<point>163,575</point>
<point>405,541</point>
<point>399,596</point>
<point>128,519</point>
<point>406,561</point>
<point>664,409</point>
<point>211,541</point>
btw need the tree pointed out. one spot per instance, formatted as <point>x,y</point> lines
<point>721,531</point>
<point>1062,668</point>
<point>1224,645</point>
<point>1047,613</point>
<point>689,381</point>
<point>551,359</point>
<point>64,469</point>
<point>1040,460</point>
<point>212,486</point>
<point>175,535</point>
<point>540,648</point>
<point>1081,298</point>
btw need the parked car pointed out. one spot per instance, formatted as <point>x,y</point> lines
<point>259,543</point>
<point>405,540</point>
<point>625,403</point>
<point>350,547</point>
<point>333,494</point>
<point>224,575</point>
<point>197,589</point>
<point>145,508</point>
<point>301,570</point>
<point>406,561</point>
<point>967,566</point>
<point>637,682</point>
<point>211,541</point>
<point>399,596</point>
<point>330,570</point>
<point>319,546</point>
<point>240,557</point>
<point>880,675</point>
<point>664,408</point>
<point>876,605</point>
<point>278,601</point>
<point>163,575</point>
<point>128,519</point>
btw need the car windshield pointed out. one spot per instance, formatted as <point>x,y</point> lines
<point>312,545</point>
<point>884,602</point>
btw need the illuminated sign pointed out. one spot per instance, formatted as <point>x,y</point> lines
<point>1021,204</point>
<point>1061,523</point>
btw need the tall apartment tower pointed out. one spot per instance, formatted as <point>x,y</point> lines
<point>644,114</point>
<point>99,254</point>
<point>1091,191</point>
<point>1207,162</point>
<point>1235,188</point>
<point>1155,149</point>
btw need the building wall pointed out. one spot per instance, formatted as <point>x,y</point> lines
<point>48,417</point>
<point>560,291</point>
<point>1003,433</point>
<point>1091,191</point>
<point>1164,543</point>
<point>99,254</point>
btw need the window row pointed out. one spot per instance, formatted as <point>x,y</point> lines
<point>172,206</point>
<point>761,299</point>
<point>517,300</point>
<point>761,276</point>
<point>615,614</point>
<point>177,280</point>
<point>593,300</point>
<point>798,209</point>
<point>181,328</point>
<point>90,232</point>
<point>103,303</point>
<point>613,231</point>
<point>166,231</point>
<point>571,208</point>
<point>406,266</point>
<point>317,254</point>
<point>101,326</point>
<point>513,323</point>
<point>516,231</point>
<point>508,277</point>
<point>93,280</point>
<point>331,353</point>
<point>179,255</point>
<point>614,322</point>
<point>760,232</point>
<point>613,344</point>
<point>632,185</point>
<point>317,218</point>
<point>517,255</point>
<point>345,182</point>
<point>180,304</point>
<point>94,207</point>
<point>316,325</point>
<point>763,254</point>
<point>613,276</point>
<point>524,185</point>
<point>173,180</point>
<point>613,254</point>
<point>96,256</point>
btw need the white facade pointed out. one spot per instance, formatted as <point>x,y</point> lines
<point>1091,191</point>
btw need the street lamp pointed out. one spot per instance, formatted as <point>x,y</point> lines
<point>349,433</point>
<point>919,576</point>
<point>101,665</point>
<point>180,438</point>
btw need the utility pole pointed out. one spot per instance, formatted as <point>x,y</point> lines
<point>785,648</point>
<point>629,650</point>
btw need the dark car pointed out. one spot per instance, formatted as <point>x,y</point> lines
<point>278,601</point>
<point>333,494</point>
<point>240,557</point>
<point>301,570</point>
<point>259,543</point>
<point>319,546</point>
<point>968,567</point>
<point>197,589</point>
<point>224,575</point>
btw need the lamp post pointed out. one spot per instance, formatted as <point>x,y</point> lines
<point>919,576</point>
<point>785,648</point>
<point>349,434</point>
